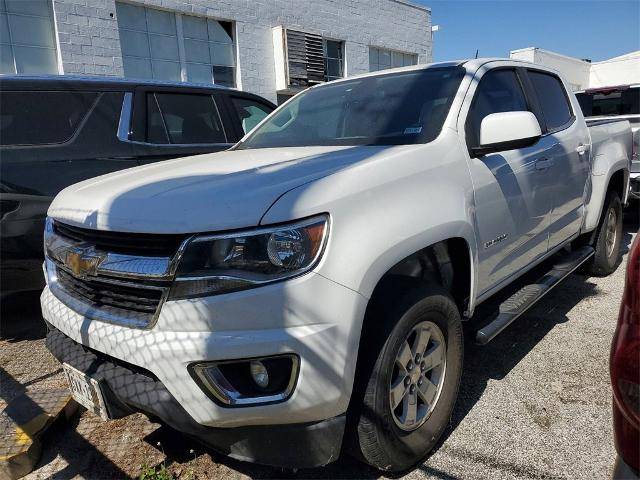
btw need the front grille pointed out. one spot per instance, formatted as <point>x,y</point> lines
<point>160,245</point>
<point>112,293</point>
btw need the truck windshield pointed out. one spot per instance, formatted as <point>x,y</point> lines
<point>610,102</point>
<point>390,109</point>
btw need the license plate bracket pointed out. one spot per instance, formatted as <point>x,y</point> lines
<point>86,391</point>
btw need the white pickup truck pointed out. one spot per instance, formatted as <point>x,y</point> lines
<point>307,289</point>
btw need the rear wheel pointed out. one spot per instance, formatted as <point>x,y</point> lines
<point>607,241</point>
<point>412,388</point>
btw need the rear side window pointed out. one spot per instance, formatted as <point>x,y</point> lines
<point>183,119</point>
<point>552,98</point>
<point>499,91</point>
<point>40,118</point>
<point>250,112</point>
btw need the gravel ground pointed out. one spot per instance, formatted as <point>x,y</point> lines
<point>534,403</point>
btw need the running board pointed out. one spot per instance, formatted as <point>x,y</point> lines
<point>527,296</point>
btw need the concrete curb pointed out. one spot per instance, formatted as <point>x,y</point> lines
<point>22,424</point>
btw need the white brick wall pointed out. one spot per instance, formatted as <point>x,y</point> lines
<point>90,44</point>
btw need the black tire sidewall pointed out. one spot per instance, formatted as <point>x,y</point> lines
<point>604,264</point>
<point>404,449</point>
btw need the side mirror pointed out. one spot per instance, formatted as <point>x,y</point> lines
<point>507,131</point>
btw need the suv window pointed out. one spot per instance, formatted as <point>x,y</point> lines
<point>250,112</point>
<point>552,98</point>
<point>183,119</point>
<point>499,91</point>
<point>40,118</point>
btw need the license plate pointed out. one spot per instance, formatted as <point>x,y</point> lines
<point>86,391</point>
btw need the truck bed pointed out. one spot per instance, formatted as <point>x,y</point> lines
<point>611,147</point>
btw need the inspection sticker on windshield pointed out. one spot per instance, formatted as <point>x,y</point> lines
<point>412,130</point>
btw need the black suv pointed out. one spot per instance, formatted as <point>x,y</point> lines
<point>56,131</point>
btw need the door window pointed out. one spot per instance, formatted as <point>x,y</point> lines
<point>552,98</point>
<point>499,91</point>
<point>183,119</point>
<point>250,112</point>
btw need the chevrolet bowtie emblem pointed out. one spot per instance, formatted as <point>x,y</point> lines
<point>83,262</point>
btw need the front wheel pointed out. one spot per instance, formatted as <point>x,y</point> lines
<point>411,391</point>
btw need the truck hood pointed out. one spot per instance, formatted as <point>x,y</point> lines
<point>210,192</point>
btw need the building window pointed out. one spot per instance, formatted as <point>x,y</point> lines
<point>333,59</point>
<point>27,39</point>
<point>209,52</point>
<point>381,59</point>
<point>152,46</point>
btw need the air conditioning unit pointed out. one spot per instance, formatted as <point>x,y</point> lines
<point>299,59</point>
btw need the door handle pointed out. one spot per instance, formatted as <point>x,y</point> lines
<point>543,164</point>
<point>582,149</point>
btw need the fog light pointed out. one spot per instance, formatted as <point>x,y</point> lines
<point>251,381</point>
<point>259,373</point>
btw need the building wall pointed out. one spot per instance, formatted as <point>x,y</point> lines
<point>583,74</point>
<point>575,71</point>
<point>621,70</point>
<point>90,44</point>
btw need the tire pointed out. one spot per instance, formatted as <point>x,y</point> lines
<point>607,249</point>
<point>382,441</point>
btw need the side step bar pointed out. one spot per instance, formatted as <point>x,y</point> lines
<point>527,296</point>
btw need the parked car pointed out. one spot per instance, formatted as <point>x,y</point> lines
<point>625,373</point>
<point>325,265</point>
<point>56,131</point>
<point>622,101</point>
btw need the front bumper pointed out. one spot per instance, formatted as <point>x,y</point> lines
<point>129,389</point>
<point>311,316</point>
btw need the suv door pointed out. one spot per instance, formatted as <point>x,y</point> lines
<point>170,123</point>
<point>512,187</point>
<point>568,155</point>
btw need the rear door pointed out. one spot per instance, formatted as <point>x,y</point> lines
<point>568,154</point>
<point>169,123</point>
<point>512,187</point>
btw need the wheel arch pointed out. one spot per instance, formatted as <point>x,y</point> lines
<point>449,262</point>
<point>617,180</point>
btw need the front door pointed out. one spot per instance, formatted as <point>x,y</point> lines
<point>512,188</point>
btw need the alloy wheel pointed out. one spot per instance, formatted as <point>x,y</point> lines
<point>418,376</point>
<point>611,232</point>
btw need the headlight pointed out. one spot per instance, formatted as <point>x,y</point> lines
<point>237,261</point>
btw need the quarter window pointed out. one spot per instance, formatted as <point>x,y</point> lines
<point>27,41</point>
<point>39,118</point>
<point>183,119</point>
<point>250,113</point>
<point>499,91</point>
<point>552,98</point>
